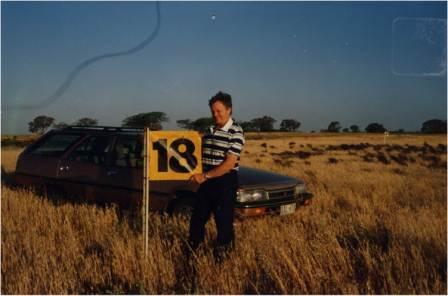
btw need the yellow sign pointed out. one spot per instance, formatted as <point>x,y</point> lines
<point>174,155</point>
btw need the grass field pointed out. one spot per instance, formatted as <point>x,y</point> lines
<point>377,224</point>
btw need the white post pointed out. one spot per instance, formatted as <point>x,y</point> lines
<point>145,210</point>
<point>386,134</point>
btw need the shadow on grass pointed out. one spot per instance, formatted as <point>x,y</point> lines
<point>7,178</point>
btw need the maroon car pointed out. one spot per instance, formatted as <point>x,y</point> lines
<point>105,165</point>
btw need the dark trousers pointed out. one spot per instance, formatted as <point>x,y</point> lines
<point>215,196</point>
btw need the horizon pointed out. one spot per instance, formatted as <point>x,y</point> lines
<point>315,62</point>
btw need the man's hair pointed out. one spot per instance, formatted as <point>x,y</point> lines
<point>222,97</point>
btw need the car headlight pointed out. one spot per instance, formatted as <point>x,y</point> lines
<point>299,189</point>
<point>251,195</point>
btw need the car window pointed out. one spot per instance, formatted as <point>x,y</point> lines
<point>93,150</point>
<point>55,145</point>
<point>128,152</point>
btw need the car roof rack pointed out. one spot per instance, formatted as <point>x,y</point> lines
<point>104,128</point>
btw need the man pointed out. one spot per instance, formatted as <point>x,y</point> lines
<point>221,148</point>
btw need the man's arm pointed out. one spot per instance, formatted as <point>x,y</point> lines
<point>223,168</point>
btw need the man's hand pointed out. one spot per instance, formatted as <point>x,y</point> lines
<point>198,178</point>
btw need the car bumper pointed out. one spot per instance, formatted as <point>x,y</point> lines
<point>270,207</point>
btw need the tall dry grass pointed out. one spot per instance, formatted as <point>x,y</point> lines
<point>373,227</point>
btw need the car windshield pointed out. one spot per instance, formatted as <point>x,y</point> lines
<point>55,145</point>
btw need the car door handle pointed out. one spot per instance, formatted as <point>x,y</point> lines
<point>111,173</point>
<point>66,168</point>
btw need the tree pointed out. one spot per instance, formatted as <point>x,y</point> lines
<point>86,121</point>
<point>40,124</point>
<point>60,125</point>
<point>247,126</point>
<point>345,130</point>
<point>263,124</point>
<point>184,123</point>
<point>334,127</point>
<point>153,120</point>
<point>434,126</point>
<point>201,124</point>
<point>354,128</point>
<point>375,128</point>
<point>289,125</point>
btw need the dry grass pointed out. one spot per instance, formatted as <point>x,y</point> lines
<point>18,140</point>
<point>374,227</point>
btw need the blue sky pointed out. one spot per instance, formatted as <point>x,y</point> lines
<point>316,62</point>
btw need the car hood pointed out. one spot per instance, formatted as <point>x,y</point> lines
<point>250,177</point>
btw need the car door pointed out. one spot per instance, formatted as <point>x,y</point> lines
<point>125,171</point>
<point>83,170</point>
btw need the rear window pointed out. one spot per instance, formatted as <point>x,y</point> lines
<point>128,152</point>
<point>55,145</point>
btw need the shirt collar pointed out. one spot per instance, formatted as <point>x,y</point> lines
<point>225,127</point>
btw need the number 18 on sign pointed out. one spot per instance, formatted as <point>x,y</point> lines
<point>174,155</point>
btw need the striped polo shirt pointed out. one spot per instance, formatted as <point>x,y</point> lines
<point>218,142</point>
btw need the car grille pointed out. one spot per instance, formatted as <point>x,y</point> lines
<point>287,193</point>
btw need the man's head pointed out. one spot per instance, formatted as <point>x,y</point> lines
<point>221,108</point>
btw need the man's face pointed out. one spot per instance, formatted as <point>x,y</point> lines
<point>220,113</point>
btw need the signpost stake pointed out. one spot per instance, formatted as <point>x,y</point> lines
<point>145,208</point>
<point>386,134</point>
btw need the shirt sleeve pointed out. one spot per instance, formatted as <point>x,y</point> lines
<point>236,143</point>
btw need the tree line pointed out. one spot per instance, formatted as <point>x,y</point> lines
<point>154,121</point>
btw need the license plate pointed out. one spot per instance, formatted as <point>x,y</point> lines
<point>287,209</point>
